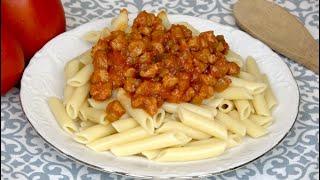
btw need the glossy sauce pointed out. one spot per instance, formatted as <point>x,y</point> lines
<point>155,65</point>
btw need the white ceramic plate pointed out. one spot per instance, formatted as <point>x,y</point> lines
<point>44,77</point>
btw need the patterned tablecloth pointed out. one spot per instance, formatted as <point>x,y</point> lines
<point>24,155</point>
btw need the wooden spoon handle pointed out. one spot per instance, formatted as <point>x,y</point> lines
<point>280,30</point>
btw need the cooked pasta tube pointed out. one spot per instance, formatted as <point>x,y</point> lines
<point>232,125</point>
<point>232,141</point>
<point>82,77</point>
<point>205,112</point>
<point>105,33</point>
<point>158,117</point>
<point>102,105</point>
<point>214,103</point>
<point>91,36</point>
<point>253,87</point>
<point>105,143</point>
<point>60,114</point>
<point>170,107</point>
<point>226,106</point>
<point>95,115</point>
<point>252,107</point>
<point>231,56</point>
<point>125,116</point>
<point>234,114</point>
<point>263,121</point>
<point>124,124</point>
<point>260,105</point>
<point>93,133</point>
<point>174,125</point>
<point>71,68</point>
<point>246,76</point>
<point>252,67</point>
<point>165,21</point>
<point>203,124</point>
<point>233,93</point>
<point>269,96</point>
<point>142,117</point>
<point>85,58</point>
<point>191,153</point>
<point>121,21</point>
<point>76,100</point>
<point>81,113</point>
<point>154,142</point>
<point>244,108</point>
<point>151,154</point>
<point>67,93</point>
<point>87,124</point>
<point>253,129</point>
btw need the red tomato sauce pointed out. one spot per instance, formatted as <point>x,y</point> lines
<point>155,65</point>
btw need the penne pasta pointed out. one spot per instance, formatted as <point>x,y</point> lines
<point>91,36</point>
<point>253,129</point>
<point>253,87</point>
<point>214,103</point>
<point>93,133</point>
<point>82,77</point>
<point>60,114</point>
<point>81,114</point>
<point>246,76</point>
<point>95,115</point>
<point>71,68</point>
<point>234,93</point>
<point>232,125</point>
<point>102,105</point>
<point>264,121</point>
<point>234,114</point>
<point>139,115</point>
<point>252,67</point>
<point>85,58</point>
<point>170,107</point>
<point>121,21</point>
<point>67,93</point>
<point>203,124</point>
<point>105,33</point>
<point>76,100</point>
<point>232,141</point>
<point>154,142</point>
<point>252,107</point>
<point>158,117</point>
<point>269,96</point>
<point>105,143</point>
<point>244,108</point>
<point>124,124</point>
<point>260,105</point>
<point>231,56</point>
<point>174,125</point>
<point>226,106</point>
<point>151,154</point>
<point>191,153</point>
<point>165,21</point>
<point>124,116</point>
<point>87,124</point>
<point>205,112</point>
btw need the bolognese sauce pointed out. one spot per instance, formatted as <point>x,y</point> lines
<point>156,65</point>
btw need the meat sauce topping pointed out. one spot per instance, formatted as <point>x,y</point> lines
<point>155,65</point>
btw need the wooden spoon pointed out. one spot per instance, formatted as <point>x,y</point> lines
<point>280,30</point>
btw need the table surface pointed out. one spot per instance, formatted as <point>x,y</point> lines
<point>24,155</point>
